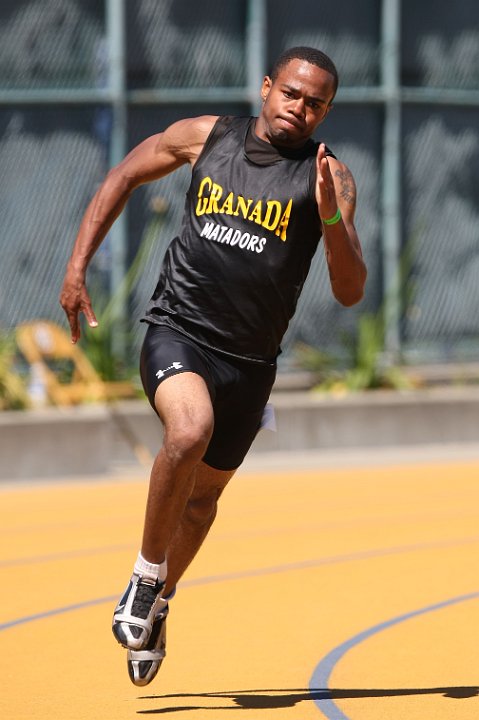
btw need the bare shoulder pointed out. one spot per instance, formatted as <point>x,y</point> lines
<point>186,138</point>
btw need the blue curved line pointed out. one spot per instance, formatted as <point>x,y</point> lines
<point>212,579</point>
<point>360,555</point>
<point>56,611</point>
<point>323,670</point>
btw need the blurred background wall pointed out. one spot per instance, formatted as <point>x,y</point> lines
<point>83,81</point>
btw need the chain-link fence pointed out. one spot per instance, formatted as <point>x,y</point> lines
<point>83,81</point>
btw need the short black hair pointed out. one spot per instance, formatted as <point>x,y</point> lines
<point>311,55</point>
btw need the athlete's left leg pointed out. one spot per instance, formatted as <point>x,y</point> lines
<point>198,516</point>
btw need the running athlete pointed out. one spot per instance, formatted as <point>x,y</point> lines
<point>262,194</point>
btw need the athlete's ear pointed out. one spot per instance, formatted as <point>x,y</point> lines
<point>327,110</point>
<point>266,87</point>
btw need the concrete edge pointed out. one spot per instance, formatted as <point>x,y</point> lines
<point>313,430</point>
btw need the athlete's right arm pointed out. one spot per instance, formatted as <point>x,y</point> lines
<point>152,159</point>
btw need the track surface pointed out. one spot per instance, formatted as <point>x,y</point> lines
<point>342,594</point>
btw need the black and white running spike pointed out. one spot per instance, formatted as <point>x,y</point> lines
<point>143,665</point>
<point>136,611</point>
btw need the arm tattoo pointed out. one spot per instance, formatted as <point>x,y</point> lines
<point>348,190</point>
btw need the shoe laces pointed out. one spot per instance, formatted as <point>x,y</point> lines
<point>145,598</point>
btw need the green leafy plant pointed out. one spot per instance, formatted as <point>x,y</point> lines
<point>314,360</point>
<point>364,367</point>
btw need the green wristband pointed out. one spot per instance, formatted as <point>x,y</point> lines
<point>333,220</point>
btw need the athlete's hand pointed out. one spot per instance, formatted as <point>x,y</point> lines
<point>325,192</point>
<point>74,299</point>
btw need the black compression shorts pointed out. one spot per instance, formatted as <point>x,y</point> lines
<point>239,389</point>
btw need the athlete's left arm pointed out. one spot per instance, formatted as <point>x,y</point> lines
<point>335,188</point>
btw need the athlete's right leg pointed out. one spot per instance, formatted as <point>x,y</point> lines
<point>184,406</point>
<point>197,518</point>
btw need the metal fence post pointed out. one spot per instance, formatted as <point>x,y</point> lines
<point>255,51</point>
<point>115,25</point>
<point>391,175</point>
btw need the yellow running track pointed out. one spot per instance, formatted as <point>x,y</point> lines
<point>340,594</point>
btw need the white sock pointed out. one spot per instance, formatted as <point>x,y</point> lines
<point>150,570</point>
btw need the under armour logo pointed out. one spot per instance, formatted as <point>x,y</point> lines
<point>173,366</point>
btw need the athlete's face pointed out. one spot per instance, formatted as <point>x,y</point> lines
<point>294,104</point>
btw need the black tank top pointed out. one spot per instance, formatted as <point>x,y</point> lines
<point>232,277</point>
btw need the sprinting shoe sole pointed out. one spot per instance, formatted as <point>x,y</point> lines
<point>143,665</point>
<point>135,613</point>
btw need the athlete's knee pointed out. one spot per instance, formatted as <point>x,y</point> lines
<point>188,442</point>
<point>201,510</point>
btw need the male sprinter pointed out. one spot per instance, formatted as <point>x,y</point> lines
<point>262,195</point>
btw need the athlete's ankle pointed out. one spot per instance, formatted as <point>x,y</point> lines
<point>155,571</point>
